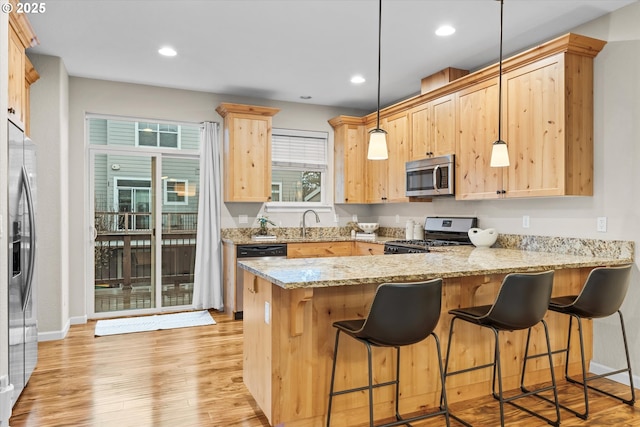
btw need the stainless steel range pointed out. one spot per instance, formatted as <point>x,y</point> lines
<point>438,232</point>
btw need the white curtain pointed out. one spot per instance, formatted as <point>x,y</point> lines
<point>207,287</point>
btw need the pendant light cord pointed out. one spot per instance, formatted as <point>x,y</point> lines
<point>379,53</point>
<point>500,77</point>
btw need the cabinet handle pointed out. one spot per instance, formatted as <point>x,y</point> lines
<point>11,110</point>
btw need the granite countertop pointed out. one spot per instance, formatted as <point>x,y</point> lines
<point>441,262</point>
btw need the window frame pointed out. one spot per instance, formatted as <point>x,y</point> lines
<point>157,131</point>
<point>324,203</point>
<point>165,192</point>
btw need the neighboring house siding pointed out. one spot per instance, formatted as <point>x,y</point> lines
<point>109,167</point>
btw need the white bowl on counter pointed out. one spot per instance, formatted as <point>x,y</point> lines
<point>483,238</point>
<point>368,227</point>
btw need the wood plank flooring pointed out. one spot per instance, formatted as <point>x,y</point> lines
<point>193,377</point>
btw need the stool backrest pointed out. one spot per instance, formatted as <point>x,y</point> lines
<point>403,313</point>
<point>603,291</point>
<point>522,300</point>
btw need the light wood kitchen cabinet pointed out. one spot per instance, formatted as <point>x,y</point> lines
<point>21,72</point>
<point>547,119</point>
<point>477,118</point>
<point>319,249</point>
<point>368,248</point>
<point>433,128</point>
<point>247,152</point>
<point>549,127</point>
<point>350,159</point>
<point>377,172</point>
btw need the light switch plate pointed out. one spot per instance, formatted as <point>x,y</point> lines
<point>354,218</point>
<point>267,313</point>
<point>243,219</point>
<point>525,221</point>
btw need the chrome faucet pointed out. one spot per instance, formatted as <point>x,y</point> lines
<point>304,226</point>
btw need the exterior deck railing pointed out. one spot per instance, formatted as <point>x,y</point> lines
<point>124,251</point>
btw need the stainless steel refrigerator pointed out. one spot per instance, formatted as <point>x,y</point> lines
<point>23,324</point>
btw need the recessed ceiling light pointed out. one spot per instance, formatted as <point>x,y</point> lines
<point>305,97</point>
<point>445,30</point>
<point>167,51</point>
<point>357,79</point>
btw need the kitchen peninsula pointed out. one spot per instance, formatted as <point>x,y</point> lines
<point>290,305</point>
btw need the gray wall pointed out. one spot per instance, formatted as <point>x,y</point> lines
<point>50,131</point>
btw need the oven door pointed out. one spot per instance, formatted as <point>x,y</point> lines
<point>429,177</point>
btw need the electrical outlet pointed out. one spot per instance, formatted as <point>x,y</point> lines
<point>601,225</point>
<point>243,219</point>
<point>267,314</point>
<point>397,219</point>
<point>354,218</point>
<point>336,218</point>
<point>525,221</point>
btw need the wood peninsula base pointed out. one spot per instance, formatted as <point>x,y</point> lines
<point>289,339</point>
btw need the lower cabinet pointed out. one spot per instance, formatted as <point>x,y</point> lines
<point>319,249</point>
<point>367,248</point>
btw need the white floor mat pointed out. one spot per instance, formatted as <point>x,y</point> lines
<point>128,325</point>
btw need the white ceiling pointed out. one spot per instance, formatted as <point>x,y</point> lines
<point>284,49</point>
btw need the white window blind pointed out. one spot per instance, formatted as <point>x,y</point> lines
<point>299,149</point>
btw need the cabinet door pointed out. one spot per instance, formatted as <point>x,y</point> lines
<point>477,116</point>
<point>444,125</point>
<point>250,159</point>
<point>398,144</point>
<point>16,78</point>
<point>319,249</point>
<point>367,248</point>
<point>421,132</point>
<point>350,157</point>
<point>535,134</point>
<point>377,174</point>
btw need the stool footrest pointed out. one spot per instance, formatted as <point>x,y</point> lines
<point>366,387</point>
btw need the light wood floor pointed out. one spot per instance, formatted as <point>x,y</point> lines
<point>193,377</point>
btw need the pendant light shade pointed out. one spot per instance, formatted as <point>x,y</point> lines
<point>378,137</point>
<point>499,152</point>
<point>377,145</point>
<point>499,155</point>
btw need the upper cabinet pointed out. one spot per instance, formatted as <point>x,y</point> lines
<point>433,128</point>
<point>477,115</point>
<point>547,119</point>
<point>547,125</point>
<point>350,158</point>
<point>21,71</point>
<point>247,152</point>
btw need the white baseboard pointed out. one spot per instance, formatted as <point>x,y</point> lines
<point>622,378</point>
<point>79,320</point>
<point>55,335</point>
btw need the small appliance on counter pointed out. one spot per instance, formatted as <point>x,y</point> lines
<point>438,231</point>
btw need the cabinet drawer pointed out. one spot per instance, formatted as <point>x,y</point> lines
<point>319,249</point>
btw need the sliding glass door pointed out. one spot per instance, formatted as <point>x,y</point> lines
<point>144,212</point>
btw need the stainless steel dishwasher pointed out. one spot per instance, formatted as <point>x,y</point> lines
<point>248,252</point>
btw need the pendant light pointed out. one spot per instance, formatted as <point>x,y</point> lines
<point>378,137</point>
<point>499,153</point>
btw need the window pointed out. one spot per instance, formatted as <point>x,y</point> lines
<point>133,198</point>
<point>299,167</point>
<point>175,192</point>
<point>157,135</point>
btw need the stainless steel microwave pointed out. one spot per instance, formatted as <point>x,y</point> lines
<point>430,177</point>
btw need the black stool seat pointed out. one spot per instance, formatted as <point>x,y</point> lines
<point>401,314</point>
<point>521,303</point>
<point>601,296</point>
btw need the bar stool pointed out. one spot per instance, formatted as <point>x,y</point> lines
<point>521,303</point>
<point>601,296</point>
<point>401,314</point>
